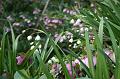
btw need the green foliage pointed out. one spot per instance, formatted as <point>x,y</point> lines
<point>65,42</point>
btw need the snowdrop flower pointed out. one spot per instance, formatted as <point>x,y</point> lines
<point>37,38</point>
<point>28,21</point>
<point>76,24</point>
<point>50,62</point>
<point>72,21</point>
<point>64,10</point>
<point>78,41</point>
<point>29,37</point>
<point>77,61</point>
<point>75,45</point>
<point>36,51</point>
<point>82,34</point>
<point>74,13</point>
<point>36,11</point>
<point>70,45</point>
<point>56,60</point>
<point>40,46</point>
<point>71,40</point>
<point>16,24</point>
<point>53,58</point>
<point>23,31</point>
<point>78,21</point>
<point>22,16</point>
<point>25,20</point>
<point>90,27</point>
<point>10,18</point>
<point>77,30</point>
<point>32,47</point>
<point>31,43</point>
<point>81,25</point>
<point>86,29</point>
<point>64,37</point>
<point>82,30</point>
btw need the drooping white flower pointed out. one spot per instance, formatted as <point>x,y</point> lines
<point>32,47</point>
<point>36,51</point>
<point>53,58</point>
<point>49,61</point>
<point>40,46</point>
<point>28,21</point>
<point>86,29</point>
<point>78,41</point>
<point>77,61</point>
<point>29,37</point>
<point>90,27</point>
<point>78,21</point>
<point>23,31</point>
<point>37,38</point>
<point>16,24</point>
<point>71,40</point>
<point>72,21</point>
<point>31,43</point>
<point>75,45</point>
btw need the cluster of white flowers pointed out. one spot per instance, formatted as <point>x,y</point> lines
<point>53,60</point>
<point>33,44</point>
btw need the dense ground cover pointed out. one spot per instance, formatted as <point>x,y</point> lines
<point>59,39</point>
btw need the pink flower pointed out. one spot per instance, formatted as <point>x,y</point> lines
<point>20,59</point>
<point>110,54</point>
<point>68,66</point>
<point>85,60</point>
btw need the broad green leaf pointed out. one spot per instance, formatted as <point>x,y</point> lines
<point>21,74</point>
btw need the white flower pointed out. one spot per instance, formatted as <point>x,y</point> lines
<point>29,37</point>
<point>31,43</point>
<point>32,47</point>
<point>50,62</point>
<point>37,38</point>
<point>81,29</point>
<point>72,21</point>
<point>78,41</point>
<point>81,25</point>
<point>78,21</point>
<point>90,27</point>
<point>82,34</point>
<point>64,37</point>
<point>75,45</point>
<point>71,40</point>
<point>70,45</point>
<point>16,24</point>
<point>86,29</point>
<point>77,30</point>
<point>36,51</point>
<point>23,31</point>
<point>53,58</point>
<point>56,60</point>
<point>76,24</point>
<point>40,46</point>
<point>77,61</point>
<point>64,10</point>
<point>28,21</point>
